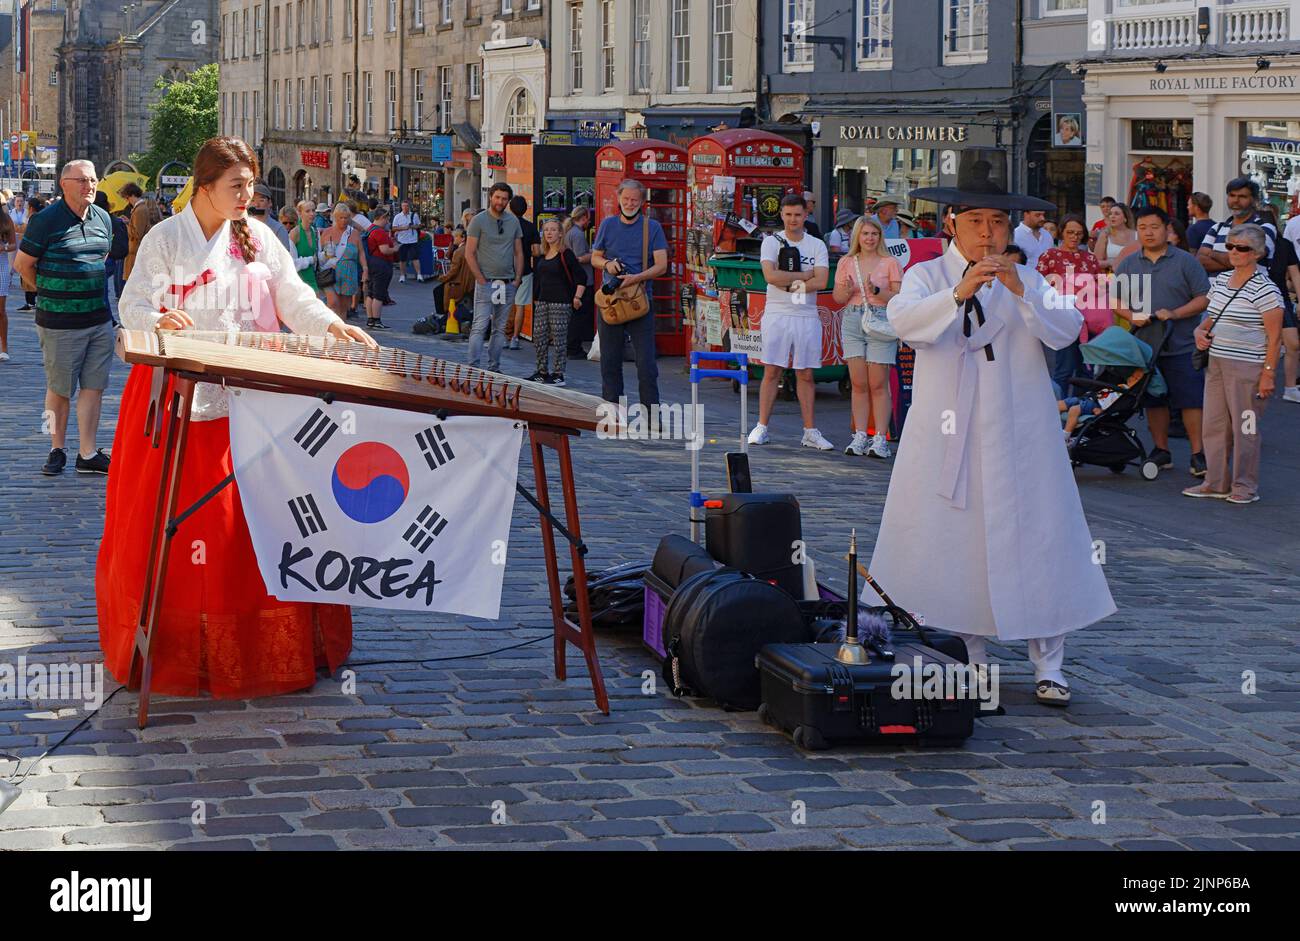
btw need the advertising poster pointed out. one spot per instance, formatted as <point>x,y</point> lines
<point>584,191</point>
<point>555,193</point>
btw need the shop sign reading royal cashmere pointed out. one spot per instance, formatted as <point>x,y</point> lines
<point>940,131</point>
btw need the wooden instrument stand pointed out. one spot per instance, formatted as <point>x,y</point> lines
<point>174,411</point>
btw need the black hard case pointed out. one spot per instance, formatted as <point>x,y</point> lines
<point>757,533</point>
<point>823,702</point>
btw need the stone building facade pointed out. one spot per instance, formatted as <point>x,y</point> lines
<point>109,59</point>
<point>337,88</point>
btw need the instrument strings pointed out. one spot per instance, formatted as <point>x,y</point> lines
<point>490,387</point>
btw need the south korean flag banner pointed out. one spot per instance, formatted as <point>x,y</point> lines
<point>375,507</point>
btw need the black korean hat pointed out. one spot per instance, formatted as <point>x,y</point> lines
<point>974,190</point>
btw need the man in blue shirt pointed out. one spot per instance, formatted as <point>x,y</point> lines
<point>1169,290</point>
<point>62,254</point>
<point>617,252</point>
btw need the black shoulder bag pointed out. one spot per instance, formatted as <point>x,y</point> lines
<point>1200,357</point>
<point>788,258</point>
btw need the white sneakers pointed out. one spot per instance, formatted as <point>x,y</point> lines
<point>1291,394</point>
<point>4,357</point>
<point>401,279</point>
<point>860,446</point>
<point>812,438</point>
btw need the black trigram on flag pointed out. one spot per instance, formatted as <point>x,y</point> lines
<point>307,515</point>
<point>433,445</point>
<point>427,525</point>
<point>315,432</point>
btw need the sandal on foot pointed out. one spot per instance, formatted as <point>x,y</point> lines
<point>1050,693</point>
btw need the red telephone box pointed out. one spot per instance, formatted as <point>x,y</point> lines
<point>661,166</point>
<point>757,169</point>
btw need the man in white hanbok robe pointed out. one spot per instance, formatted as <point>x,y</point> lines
<point>983,532</point>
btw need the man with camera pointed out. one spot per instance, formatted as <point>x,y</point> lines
<point>796,266</point>
<point>631,250</point>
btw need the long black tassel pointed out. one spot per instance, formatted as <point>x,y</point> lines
<point>973,304</point>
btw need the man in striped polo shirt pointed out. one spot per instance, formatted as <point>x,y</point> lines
<point>62,253</point>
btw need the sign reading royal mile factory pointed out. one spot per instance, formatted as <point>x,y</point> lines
<point>1257,82</point>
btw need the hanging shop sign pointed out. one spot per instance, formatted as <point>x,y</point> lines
<point>440,145</point>
<point>589,132</point>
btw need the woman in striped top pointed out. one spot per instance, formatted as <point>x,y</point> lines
<point>1242,330</point>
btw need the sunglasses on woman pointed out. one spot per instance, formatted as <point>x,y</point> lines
<point>1234,247</point>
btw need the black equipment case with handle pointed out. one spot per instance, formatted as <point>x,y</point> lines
<point>757,533</point>
<point>823,702</point>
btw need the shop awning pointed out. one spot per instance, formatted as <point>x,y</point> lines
<point>469,134</point>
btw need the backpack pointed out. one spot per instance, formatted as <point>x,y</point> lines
<point>121,246</point>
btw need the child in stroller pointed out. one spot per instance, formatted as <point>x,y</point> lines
<point>1073,407</point>
<point>1124,373</point>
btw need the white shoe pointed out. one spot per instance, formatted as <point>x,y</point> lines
<point>812,438</point>
<point>1291,394</point>
<point>858,446</point>
<point>401,279</point>
<point>879,447</point>
<point>1051,693</point>
<point>759,435</point>
<point>4,357</point>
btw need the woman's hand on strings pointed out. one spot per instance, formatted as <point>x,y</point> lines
<point>175,319</point>
<point>346,331</point>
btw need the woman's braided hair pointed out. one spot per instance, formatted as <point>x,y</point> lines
<point>215,157</point>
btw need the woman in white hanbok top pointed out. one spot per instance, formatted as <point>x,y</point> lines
<point>218,631</point>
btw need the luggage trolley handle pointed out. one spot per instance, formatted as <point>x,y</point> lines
<point>741,375</point>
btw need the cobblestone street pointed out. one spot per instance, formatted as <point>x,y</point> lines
<point>1165,746</point>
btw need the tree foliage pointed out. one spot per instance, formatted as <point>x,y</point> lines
<point>184,117</point>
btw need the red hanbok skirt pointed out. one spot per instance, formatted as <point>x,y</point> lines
<point>217,631</point>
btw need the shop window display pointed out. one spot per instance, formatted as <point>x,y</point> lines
<point>865,174</point>
<point>1270,155</point>
<point>1160,158</point>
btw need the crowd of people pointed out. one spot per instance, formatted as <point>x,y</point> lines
<point>1212,302</point>
<point>1223,288</point>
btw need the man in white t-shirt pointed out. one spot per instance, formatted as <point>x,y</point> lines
<point>1292,231</point>
<point>406,229</point>
<point>1032,238</point>
<point>796,266</point>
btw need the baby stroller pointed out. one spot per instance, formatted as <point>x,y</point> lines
<point>1106,440</point>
